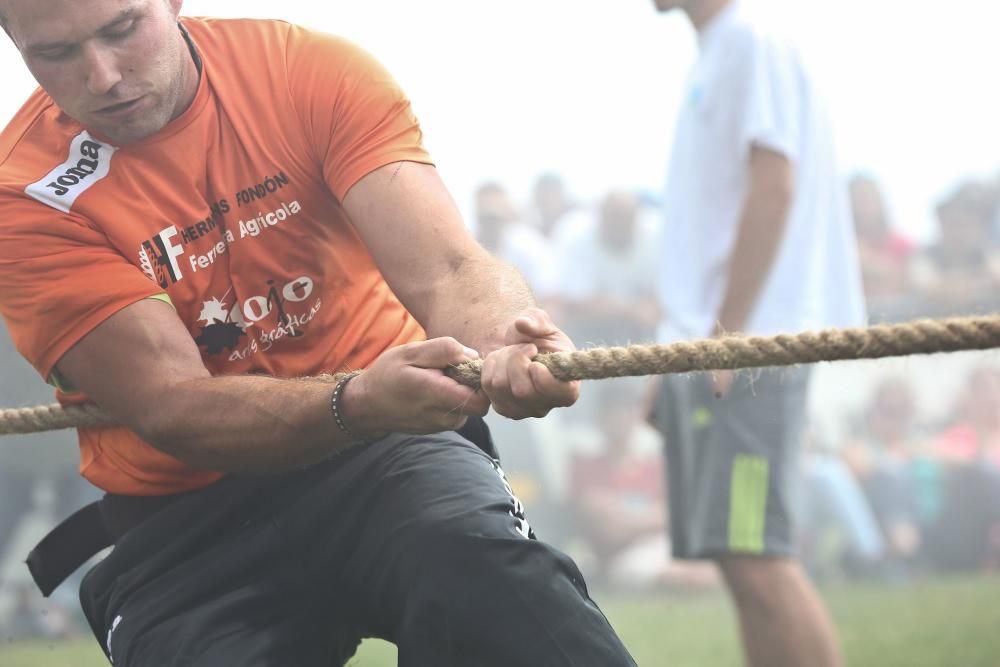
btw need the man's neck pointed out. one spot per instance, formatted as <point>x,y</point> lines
<point>192,73</point>
<point>701,12</point>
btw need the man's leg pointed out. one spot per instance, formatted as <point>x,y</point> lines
<point>447,571</point>
<point>731,463</point>
<point>782,621</point>
<point>413,539</point>
<point>211,580</point>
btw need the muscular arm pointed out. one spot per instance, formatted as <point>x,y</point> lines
<point>143,368</point>
<point>762,227</point>
<point>453,287</point>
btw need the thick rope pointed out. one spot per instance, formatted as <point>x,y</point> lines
<point>52,418</point>
<point>732,352</point>
<point>729,352</point>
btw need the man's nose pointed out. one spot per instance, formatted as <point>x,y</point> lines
<point>102,70</point>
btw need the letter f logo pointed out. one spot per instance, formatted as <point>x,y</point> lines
<point>168,252</point>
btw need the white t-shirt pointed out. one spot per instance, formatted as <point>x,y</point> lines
<point>749,89</point>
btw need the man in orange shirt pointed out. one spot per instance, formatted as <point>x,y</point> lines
<point>196,215</point>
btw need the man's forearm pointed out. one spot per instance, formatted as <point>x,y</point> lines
<point>476,302</point>
<point>249,424</point>
<point>245,423</point>
<point>761,230</point>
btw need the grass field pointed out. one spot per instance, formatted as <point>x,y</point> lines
<point>944,623</point>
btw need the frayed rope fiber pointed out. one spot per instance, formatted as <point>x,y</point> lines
<point>724,353</point>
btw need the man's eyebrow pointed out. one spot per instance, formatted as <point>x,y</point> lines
<point>124,15</point>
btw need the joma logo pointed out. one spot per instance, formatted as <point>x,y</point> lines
<point>85,166</point>
<point>88,161</point>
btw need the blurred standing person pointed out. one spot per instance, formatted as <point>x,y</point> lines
<point>758,238</point>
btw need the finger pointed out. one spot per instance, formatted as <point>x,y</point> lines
<point>438,353</point>
<point>522,388</point>
<point>722,382</point>
<point>496,378</point>
<point>475,403</point>
<point>537,325</point>
<point>534,323</point>
<point>526,400</point>
<point>557,393</point>
<point>492,378</point>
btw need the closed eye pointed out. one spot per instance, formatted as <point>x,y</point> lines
<point>56,54</point>
<point>121,30</point>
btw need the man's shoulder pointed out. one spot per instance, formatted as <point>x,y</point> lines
<point>19,129</point>
<point>250,39</point>
<point>204,28</point>
<point>34,142</point>
<point>748,37</point>
<point>242,53</point>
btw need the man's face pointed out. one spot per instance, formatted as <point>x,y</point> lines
<point>116,66</point>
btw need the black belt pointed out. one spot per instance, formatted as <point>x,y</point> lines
<point>88,531</point>
<point>70,544</point>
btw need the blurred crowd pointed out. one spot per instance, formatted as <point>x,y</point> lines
<point>900,496</point>
<point>903,496</point>
<point>39,486</point>
<point>956,274</point>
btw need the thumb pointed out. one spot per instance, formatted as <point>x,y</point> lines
<point>532,325</point>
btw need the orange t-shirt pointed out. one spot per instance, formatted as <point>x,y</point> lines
<point>232,212</point>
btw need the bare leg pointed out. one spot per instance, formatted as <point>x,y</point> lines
<point>782,619</point>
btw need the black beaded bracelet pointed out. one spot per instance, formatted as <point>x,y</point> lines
<point>335,406</point>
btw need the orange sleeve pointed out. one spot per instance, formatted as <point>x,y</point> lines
<point>354,113</point>
<point>59,279</point>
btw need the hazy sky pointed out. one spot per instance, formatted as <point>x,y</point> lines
<point>508,89</point>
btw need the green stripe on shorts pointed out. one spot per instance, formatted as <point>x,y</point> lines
<point>748,504</point>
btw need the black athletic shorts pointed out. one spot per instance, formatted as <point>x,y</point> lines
<point>413,539</point>
<point>731,461</point>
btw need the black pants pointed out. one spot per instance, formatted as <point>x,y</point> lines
<point>411,539</point>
